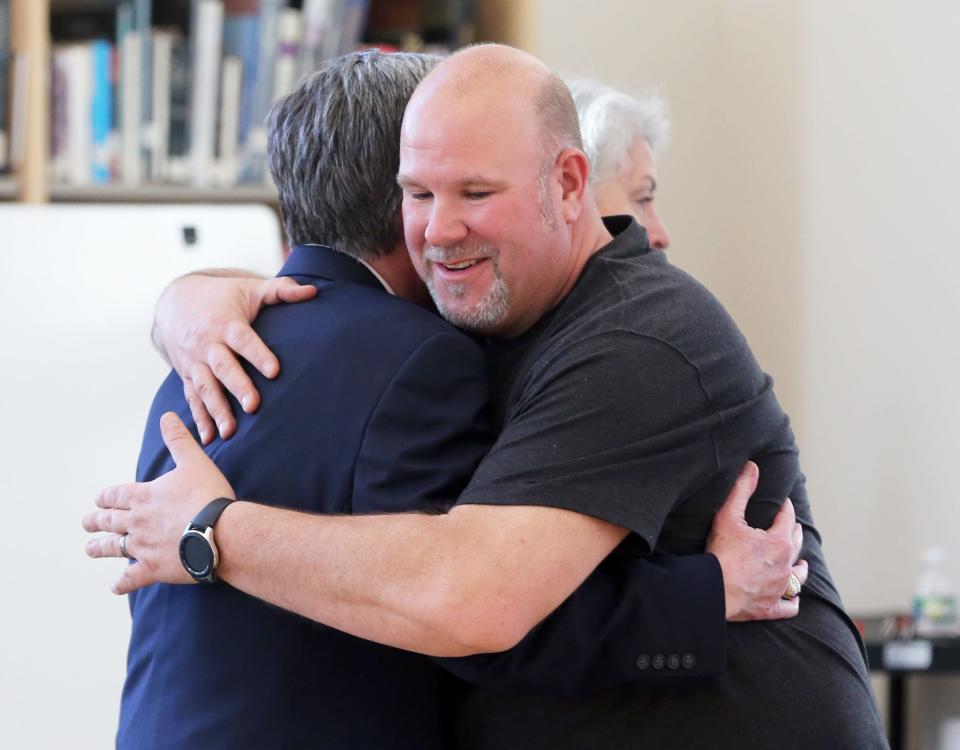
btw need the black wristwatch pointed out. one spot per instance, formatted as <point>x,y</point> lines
<point>198,552</point>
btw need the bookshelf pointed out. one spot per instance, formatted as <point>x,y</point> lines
<point>44,39</point>
<point>8,188</point>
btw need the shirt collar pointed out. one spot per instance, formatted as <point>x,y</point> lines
<point>325,262</point>
<point>380,278</point>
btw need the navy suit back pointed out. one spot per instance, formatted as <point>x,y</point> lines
<point>380,407</point>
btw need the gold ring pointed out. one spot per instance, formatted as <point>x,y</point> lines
<point>793,588</point>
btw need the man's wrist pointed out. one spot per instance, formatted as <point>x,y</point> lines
<point>198,548</point>
<point>231,520</point>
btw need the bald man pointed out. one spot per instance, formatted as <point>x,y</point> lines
<point>627,399</point>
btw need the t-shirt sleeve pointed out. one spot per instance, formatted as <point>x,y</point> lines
<point>616,426</point>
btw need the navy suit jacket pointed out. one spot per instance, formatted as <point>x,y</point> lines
<point>380,408</point>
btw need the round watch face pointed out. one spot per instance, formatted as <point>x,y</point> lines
<point>196,554</point>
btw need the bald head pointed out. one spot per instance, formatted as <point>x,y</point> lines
<point>508,82</point>
<point>494,182</point>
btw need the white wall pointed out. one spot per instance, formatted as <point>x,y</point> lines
<point>811,183</point>
<point>77,374</point>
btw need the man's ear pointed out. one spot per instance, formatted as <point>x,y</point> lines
<point>574,168</point>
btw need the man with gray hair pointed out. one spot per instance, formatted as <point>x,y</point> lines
<point>382,409</point>
<point>211,667</point>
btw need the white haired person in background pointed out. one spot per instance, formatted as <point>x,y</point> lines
<point>622,135</point>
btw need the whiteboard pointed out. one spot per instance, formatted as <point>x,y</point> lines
<point>77,288</point>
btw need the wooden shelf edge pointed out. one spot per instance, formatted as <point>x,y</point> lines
<point>8,188</point>
<point>162,194</point>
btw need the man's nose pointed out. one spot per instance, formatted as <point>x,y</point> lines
<point>656,230</point>
<point>445,226</point>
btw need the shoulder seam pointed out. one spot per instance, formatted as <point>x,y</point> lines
<point>666,344</point>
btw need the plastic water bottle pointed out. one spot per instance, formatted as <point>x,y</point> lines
<point>934,601</point>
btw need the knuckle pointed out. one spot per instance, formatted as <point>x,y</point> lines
<point>198,374</point>
<point>239,336</point>
<point>207,391</point>
<point>220,366</point>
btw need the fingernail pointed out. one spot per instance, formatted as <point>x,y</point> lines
<point>204,436</point>
<point>245,402</point>
<point>268,369</point>
<point>222,427</point>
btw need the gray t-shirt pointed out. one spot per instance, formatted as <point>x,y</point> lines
<point>637,400</point>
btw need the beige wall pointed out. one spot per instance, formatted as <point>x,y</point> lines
<point>881,274</point>
<point>728,156</point>
<point>811,182</point>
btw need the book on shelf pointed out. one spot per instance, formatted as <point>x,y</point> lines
<point>179,92</point>
<point>129,91</point>
<point>4,73</point>
<point>142,13</point>
<point>231,81</point>
<point>318,18</point>
<point>241,39</point>
<point>158,131</point>
<point>72,140</point>
<point>351,23</point>
<point>206,40</point>
<point>180,82</point>
<point>289,37</point>
<point>18,77</point>
<point>101,112</point>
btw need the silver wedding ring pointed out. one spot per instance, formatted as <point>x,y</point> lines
<point>123,546</point>
<point>793,588</point>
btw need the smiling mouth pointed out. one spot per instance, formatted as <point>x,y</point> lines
<point>461,265</point>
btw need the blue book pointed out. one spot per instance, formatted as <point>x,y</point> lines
<point>124,27</point>
<point>101,111</point>
<point>241,38</point>
<point>141,24</point>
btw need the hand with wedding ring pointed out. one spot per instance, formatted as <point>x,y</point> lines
<point>762,575</point>
<point>793,588</point>
<point>144,520</point>
<point>123,546</point>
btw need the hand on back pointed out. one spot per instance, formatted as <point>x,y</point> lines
<point>203,326</point>
<point>756,564</point>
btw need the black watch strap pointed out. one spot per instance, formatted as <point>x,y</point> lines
<point>207,517</point>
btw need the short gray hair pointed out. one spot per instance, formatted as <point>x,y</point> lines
<point>611,121</point>
<point>333,146</point>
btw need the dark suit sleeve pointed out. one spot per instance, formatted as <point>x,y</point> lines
<point>424,440</point>
<point>652,621</point>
